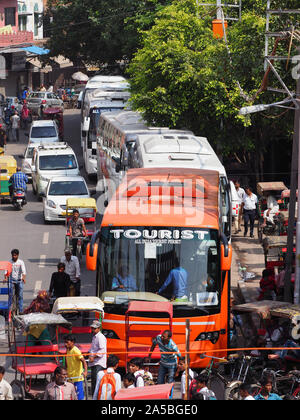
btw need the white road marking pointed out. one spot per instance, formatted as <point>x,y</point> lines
<point>42,261</point>
<point>46,238</point>
<point>37,287</point>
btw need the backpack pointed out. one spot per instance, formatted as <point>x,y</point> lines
<point>146,378</point>
<point>108,379</point>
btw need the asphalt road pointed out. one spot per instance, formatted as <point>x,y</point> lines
<point>41,246</point>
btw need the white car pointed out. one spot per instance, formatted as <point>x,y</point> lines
<point>43,131</point>
<point>27,166</point>
<point>58,190</point>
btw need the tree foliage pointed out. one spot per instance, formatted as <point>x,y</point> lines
<point>98,31</point>
<point>184,77</point>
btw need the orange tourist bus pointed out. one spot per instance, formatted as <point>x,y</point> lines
<point>160,240</point>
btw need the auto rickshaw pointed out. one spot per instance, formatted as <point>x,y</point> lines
<point>264,189</point>
<point>87,208</point>
<point>8,167</point>
<point>55,114</point>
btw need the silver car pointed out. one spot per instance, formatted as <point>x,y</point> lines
<point>37,101</point>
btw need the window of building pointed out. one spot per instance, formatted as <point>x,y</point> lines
<point>22,23</point>
<point>10,16</point>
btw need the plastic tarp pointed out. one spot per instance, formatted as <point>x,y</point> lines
<point>25,321</point>
<point>78,303</point>
<point>36,50</point>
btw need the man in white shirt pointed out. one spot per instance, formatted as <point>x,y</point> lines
<point>18,276</point>
<point>240,193</point>
<point>272,209</point>
<point>98,349</point>
<point>72,268</point>
<point>5,388</point>
<point>15,126</point>
<point>249,203</point>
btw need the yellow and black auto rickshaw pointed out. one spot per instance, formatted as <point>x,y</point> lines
<point>8,167</point>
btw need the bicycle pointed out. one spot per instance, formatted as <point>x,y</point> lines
<point>15,301</point>
<point>216,379</point>
<point>80,246</point>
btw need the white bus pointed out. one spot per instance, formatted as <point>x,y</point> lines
<point>99,82</point>
<point>124,141</point>
<point>113,103</point>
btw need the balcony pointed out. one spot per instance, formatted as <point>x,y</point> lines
<point>16,38</point>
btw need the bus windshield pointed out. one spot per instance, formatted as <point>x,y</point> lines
<point>155,263</point>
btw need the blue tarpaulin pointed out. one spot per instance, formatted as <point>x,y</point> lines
<point>36,50</point>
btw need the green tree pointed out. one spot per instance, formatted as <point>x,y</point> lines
<point>98,31</point>
<point>184,77</point>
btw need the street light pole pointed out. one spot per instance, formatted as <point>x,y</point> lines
<point>219,9</point>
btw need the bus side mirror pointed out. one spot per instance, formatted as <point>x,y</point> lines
<point>226,257</point>
<point>91,256</point>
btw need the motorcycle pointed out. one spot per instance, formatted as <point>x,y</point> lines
<point>18,198</point>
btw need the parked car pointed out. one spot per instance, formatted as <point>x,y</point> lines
<point>37,101</point>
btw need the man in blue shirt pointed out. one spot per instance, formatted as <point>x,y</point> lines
<point>265,393</point>
<point>169,353</point>
<point>178,278</point>
<point>123,281</point>
<point>19,180</point>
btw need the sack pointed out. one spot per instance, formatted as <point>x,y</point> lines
<point>146,378</point>
<point>108,379</point>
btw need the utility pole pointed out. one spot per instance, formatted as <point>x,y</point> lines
<point>297,140</point>
<point>288,297</point>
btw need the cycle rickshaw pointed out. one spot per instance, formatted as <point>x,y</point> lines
<point>81,311</point>
<point>34,352</point>
<point>87,211</point>
<point>278,228</point>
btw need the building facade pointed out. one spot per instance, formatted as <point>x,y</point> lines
<point>30,13</point>
<point>20,28</point>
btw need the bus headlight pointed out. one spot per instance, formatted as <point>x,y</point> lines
<point>212,336</point>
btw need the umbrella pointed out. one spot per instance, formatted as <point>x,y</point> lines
<point>81,77</point>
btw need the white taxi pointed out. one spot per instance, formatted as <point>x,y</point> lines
<point>58,190</point>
